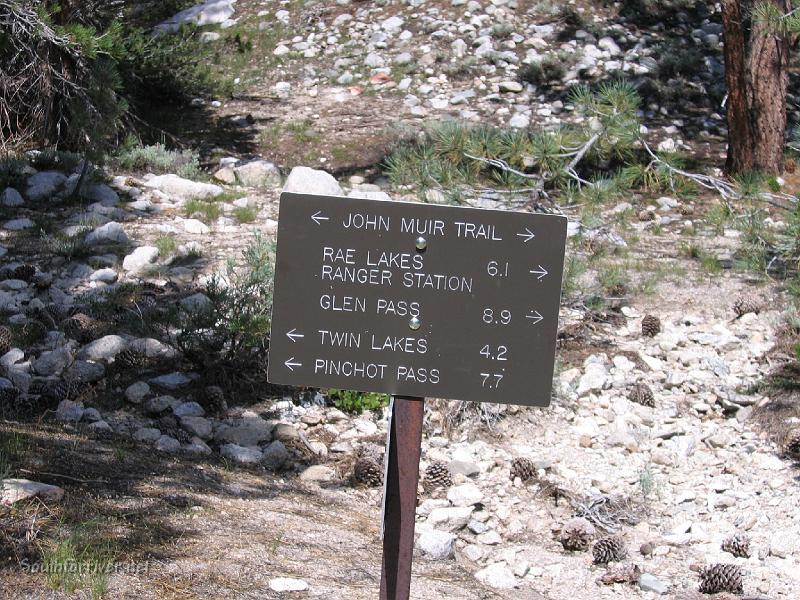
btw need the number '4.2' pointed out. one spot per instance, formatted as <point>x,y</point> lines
<point>498,353</point>
<point>491,380</point>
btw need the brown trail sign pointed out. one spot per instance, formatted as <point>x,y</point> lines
<point>414,300</point>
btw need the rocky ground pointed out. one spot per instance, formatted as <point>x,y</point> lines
<point>203,491</point>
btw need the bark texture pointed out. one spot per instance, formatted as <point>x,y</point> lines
<point>756,77</point>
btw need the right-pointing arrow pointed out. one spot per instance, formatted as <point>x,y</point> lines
<point>534,316</point>
<point>293,335</point>
<point>290,364</point>
<point>528,235</point>
<point>541,272</point>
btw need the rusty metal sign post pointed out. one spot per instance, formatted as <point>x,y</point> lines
<point>414,300</point>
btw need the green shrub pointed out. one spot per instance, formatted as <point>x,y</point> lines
<point>157,159</point>
<point>245,214</point>
<point>235,325</point>
<point>356,402</point>
<point>208,212</point>
<point>546,72</point>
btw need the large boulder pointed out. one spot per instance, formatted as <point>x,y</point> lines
<point>258,173</point>
<point>140,259</point>
<point>44,184</point>
<point>304,180</point>
<point>211,12</point>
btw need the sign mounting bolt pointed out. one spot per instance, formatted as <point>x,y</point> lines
<point>421,243</point>
<point>414,323</point>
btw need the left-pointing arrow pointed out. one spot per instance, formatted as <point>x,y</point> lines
<point>541,272</point>
<point>293,335</point>
<point>317,217</point>
<point>291,364</point>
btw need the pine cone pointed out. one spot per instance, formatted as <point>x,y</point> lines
<point>577,534</point>
<point>6,339</point>
<point>523,468</point>
<point>791,445</point>
<point>651,326</point>
<point>721,578</point>
<point>746,304</point>
<point>369,472</point>
<point>168,425</point>
<point>738,544</point>
<point>25,272</point>
<point>642,394</point>
<point>437,475</point>
<point>213,400</point>
<point>646,215</point>
<point>131,358</point>
<point>82,327</point>
<point>609,549</point>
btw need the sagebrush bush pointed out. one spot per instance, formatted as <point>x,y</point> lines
<point>356,402</point>
<point>157,159</point>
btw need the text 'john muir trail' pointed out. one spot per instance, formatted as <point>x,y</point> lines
<point>431,227</point>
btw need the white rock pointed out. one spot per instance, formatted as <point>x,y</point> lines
<point>519,121</point>
<point>258,173</point>
<point>466,494</point>
<point>104,348</point>
<point>497,576</point>
<point>241,454</point>
<point>211,12</point>
<point>304,180</point>
<point>16,490</point>
<point>287,584</point>
<point>109,233</point>
<point>594,379</point>
<point>450,519</point>
<point>104,275</point>
<point>195,226</point>
<point>318,473</point>
<point>140,259</point>
<point>438,545</point>
<point>510,86</point>
<point>184,189</point>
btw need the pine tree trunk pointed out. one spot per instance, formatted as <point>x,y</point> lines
<point>755,73</point>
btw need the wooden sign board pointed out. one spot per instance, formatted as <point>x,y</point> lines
<point>416,299</point>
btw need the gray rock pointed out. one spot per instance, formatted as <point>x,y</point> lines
<point>171,381</point>
<point>100,192</point>
<point>197,303</point>
<point>147,434</point>
<point>99,426</point>
<point>183,189</point>
<point>250,431</point>
<point>110,233</point>
<point>11,198</point>
<point>438,545</point>
<point>44,184</point>
<point>450,519</point>
<point>649,583</point>
<point>19,224</point>
<point>275,456</point>
<point>167,444</point>
<point>69,411</point>
<point>136,392</point>
<point>466,494</point>
<point>199,426</point>
<point>463,467</point>
<point>91,415</point>
<point>197,446</point>
<point>304,180</point>
<point>17,490</point>
<point>195,226</point>
<point>285,432</point>
<point>140,259</point>
<point>105,348</point>
<point>258,173</point>
<point>52,362</point>
<point>519,121</point>
<point>159,404</point>
<point>86,371</point>
<point>497,576</point>
<point>510,86</point>
<point>240,454</point>
<point>594,379</point>
<point>188,409</point>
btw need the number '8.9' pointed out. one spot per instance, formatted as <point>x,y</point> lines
<point>492,317</point>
